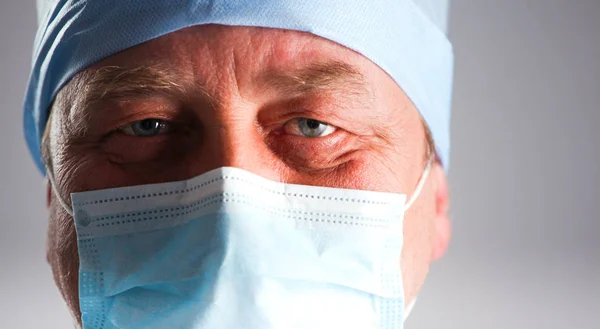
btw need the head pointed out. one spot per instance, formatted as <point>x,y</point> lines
<point>211,96</point>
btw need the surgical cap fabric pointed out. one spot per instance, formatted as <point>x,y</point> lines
<point>406,38</point>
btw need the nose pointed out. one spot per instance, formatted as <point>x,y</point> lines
<point>236,141</point>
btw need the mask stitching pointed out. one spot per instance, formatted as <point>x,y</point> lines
<point>90,281</point>
<point>224,196</point>
<point>305,216</point>
<point>212,181</point>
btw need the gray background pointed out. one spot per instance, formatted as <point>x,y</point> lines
<point>525,177</point>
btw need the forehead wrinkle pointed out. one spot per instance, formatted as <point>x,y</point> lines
<point>334,75</point>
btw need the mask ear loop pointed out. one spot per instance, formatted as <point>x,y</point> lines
<point>62,202</point>
<point>409,308</point>
<point>421,183</point>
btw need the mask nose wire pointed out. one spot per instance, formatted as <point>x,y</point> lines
<point>62,202</point>
<point>421,183</point>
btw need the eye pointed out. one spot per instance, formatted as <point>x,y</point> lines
<point>308,128</point>
<point>146,128</point>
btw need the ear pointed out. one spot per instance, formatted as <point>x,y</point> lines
<point>442,222</point>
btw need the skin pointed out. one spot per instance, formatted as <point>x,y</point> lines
<point>235,118</point>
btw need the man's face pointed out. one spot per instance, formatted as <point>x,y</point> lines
<point>286,105</point>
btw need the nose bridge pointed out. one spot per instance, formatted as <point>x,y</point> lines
<point>229,144</point>
<point>232,139</point>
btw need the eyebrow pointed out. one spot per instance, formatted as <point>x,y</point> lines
<point>333,75</point>
<point>113,83</point>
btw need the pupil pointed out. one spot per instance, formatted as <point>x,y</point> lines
<point>148,124</point>
<point>313,124</point>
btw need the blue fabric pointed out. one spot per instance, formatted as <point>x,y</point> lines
<point>230,249</point>
<point>399,36</point>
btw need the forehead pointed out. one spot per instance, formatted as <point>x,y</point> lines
<point>247,50</point>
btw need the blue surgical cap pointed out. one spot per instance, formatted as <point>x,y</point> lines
<point>406,38</point>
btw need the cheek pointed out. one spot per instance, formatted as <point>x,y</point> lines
<point>370,172</point>
<point>63,255</point>
<point>418,243</point>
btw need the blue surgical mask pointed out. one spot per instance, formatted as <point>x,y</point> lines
<point>231,250</point>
